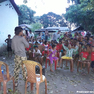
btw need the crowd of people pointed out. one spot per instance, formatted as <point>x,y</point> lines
<point>76,49</point>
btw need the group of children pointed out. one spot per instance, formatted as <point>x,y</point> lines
<point>77,49</point>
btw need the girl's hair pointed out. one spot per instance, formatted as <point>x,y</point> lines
<point>53,46</point>
<point>81,43</point>
<point>36,43</point>
<point>45,42</point>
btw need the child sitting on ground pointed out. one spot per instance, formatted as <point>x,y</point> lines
<point>92,58</point>
<point>37,55</point>
<point>52,56</point>
<point>68,56</point>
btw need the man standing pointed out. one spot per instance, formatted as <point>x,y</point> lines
<point>56,35</point>
<point>18,46</point>
<point>46,35</point>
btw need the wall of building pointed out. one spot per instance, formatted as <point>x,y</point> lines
<point>8,21</point>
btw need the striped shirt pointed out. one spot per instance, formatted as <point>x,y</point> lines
<point>69,52</point>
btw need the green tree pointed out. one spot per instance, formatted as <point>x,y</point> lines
<point>52,19</point>
<point>36,26</point>
<point>90,4</point>
<point>27,15</point>
<point>79,16</point>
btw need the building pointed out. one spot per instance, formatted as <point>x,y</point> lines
<point>62,29</point>
<point>8,19</point>
<point>78,29</point>
<point>54,29</point>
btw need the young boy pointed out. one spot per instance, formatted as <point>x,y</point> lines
<point>37,54</point>
<point>69,53</point>
<point>92,58</point>
<point>84,59</point>
<point>8,41</point>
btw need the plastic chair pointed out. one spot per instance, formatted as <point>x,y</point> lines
<point>47,59</point>
<point>80,63</point>
<point>5,78</point>
<point>68,60</point>
<point>32,77</point>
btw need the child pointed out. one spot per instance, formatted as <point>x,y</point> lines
<point>68,56</point>
<point>8,41</point>
<point>83,60</point>
<point>52,56</point>
<point>76,55</point>
<point>92,58</point>
<point>46,48</point>
<point>37,54</point>
<point>84,55</point>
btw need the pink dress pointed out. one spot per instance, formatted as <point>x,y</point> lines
<point>52,56</point>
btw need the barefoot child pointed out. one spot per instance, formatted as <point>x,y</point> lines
<point>68,56</point>
<point>52,56</point>
<point>8,41</point>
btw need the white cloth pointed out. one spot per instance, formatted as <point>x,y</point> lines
<point>46,47</point>
<point>39,37</point>
<point>38,52</point>
<point>31,34</point>
<point>56,36</point>
<point>38,78</point>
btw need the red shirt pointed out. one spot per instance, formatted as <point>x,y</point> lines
<point>59,47</point>
<point>85,54</point>
<point>27,49</point>
<point>92,56</point>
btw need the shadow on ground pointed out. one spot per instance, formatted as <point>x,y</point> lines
<point>61,81</point>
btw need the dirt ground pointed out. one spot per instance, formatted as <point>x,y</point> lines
<point>61,81</point>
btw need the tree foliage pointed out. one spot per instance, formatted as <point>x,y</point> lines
<point>36,26</point>
<point>52,19</point>
<point>78,15</point>
<point>26,16</point>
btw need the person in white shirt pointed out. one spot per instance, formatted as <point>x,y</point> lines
<point>31,34</point>
<point>56,35</point>
<point>37,55</point>
<point>39,36</point>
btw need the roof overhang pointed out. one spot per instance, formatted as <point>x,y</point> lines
<point>14,5</point>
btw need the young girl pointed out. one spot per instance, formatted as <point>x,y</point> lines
<point>52,56</point>
<point>68,56</point>
<point>46,48</point>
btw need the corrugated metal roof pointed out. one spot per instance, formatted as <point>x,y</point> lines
<point>58,28</point>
